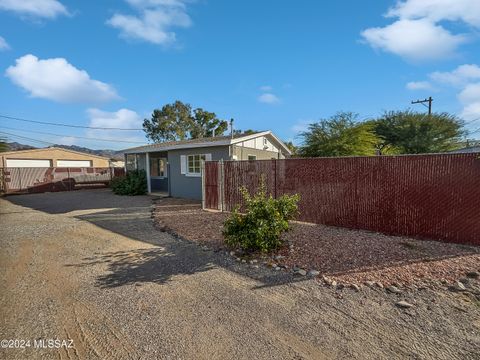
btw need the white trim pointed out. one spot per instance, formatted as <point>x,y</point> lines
<point>147,169</point>
<point>183,164</point>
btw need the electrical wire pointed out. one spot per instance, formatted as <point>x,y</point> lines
<point>27,138</point>
<point>66,125</point>
<point>72,136</point>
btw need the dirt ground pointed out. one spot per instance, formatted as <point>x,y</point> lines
<point>343,255</point>
<point>90,266</point>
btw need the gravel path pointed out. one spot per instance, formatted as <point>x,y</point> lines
<point>89,266</point>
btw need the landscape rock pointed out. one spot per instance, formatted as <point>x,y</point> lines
<point>369,283</point>
<point>279,257</point>
<point>301,272</point>
<point>473,274</point>
<point>232,253</point>
<point>394,289</point>
<point>313,273</point>
<point>458,286</point>
<point>355,287</point>
<point>340,286</point>
<point>333,283</point>
<point>379,284</point>
<point>327,280</point>
<point>403,304</point>
<point>278,268</point>
<point>244,261</point>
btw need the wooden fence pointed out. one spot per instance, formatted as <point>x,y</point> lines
<point>424,196</point>
<point>52,179</point>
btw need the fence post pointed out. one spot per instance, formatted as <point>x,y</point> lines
<point>202,171</point>
<point>69,181</point>
<point>221,185</point>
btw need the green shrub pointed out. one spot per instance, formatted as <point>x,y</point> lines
<point>261,226</point>
<point>134,183</point>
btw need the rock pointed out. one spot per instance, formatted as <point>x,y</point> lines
<point>244,261</point>
<point>379,284</point>
<point>327,280</point>
<point>473,274</point>
<point>272,265</point>
<point>232,253</point>
<point>464,281</point>
<point>340,286</point>
<point>403,304</point>
<point>279,257</point>
<point>333,283</point>
<point>278,268</point>
<point>355,287</point>
<point>301,272</point>
<point>394,289</point>
<point>369,283</point>
<point>458,286</point>
<point>254,261</point>
<point>238,259</point>
<point>313,273</point>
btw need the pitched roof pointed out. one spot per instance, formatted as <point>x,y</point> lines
<point>51,148</point>
<point>203,142</point>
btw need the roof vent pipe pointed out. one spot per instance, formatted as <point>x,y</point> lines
<point>231,128</point>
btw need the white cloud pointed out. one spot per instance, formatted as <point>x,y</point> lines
<point>461,75</point>
<point>56,79</point>
<point>266,88</point>
<point>465,79</point>
<point>48,9</point>
<point>3,44</point>
<point>123,118</point>
<point>268,98</point>
<point>467,11</point>
<point>419,32</point>
<point>154,21</point>
<point>416,40</point>
<point>419,85</point>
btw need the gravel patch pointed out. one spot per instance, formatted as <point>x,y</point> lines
<point>347,256</point>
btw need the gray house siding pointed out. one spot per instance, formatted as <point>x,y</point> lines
<point>190,187</point>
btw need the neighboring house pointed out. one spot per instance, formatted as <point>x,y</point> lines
<point>51,157</point>
<point>471,149</point>
<point>175,167</point>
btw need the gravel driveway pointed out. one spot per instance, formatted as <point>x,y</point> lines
<point>89,266</point>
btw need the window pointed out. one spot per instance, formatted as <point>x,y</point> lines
<point>158,167</point>
<point>252,157</point>
<point>131,162</point>
<point>194,163</point>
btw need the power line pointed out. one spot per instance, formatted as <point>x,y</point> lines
<point>27,138</point>
<point>72,136</point>
<point>66,125</point>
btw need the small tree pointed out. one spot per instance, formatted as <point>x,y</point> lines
<point>263,223</point>
<point>340,135</point>
<point>408,132</point>
<point>134,183</point>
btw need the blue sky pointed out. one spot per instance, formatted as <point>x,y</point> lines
<point>269,64</point>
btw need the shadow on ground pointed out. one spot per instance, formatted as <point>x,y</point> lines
<point>131,217</point>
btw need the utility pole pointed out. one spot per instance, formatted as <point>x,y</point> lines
<point>231,128</point>
<point>429,100</point>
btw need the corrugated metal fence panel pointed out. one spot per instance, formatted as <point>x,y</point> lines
<point>425,196</point>
<point>35,180</point>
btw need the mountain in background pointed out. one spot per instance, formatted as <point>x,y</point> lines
<point>111,154</point>
<point>15,146</point>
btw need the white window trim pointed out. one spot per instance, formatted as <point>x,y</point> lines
<point>208,157</point>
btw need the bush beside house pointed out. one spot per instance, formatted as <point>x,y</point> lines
<point>134,183</point>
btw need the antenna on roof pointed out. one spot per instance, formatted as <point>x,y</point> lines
<point>231,128</point>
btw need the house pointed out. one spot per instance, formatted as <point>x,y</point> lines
<point>51,157</point>
<point>467,150</point>
<point>175,167</point>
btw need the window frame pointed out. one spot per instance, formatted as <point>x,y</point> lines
<point>194,167</point>
<point>165,167</point>
<point>251,155</point>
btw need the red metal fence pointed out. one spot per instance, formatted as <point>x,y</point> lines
<point>36,180</point>
<point>425,196</point>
